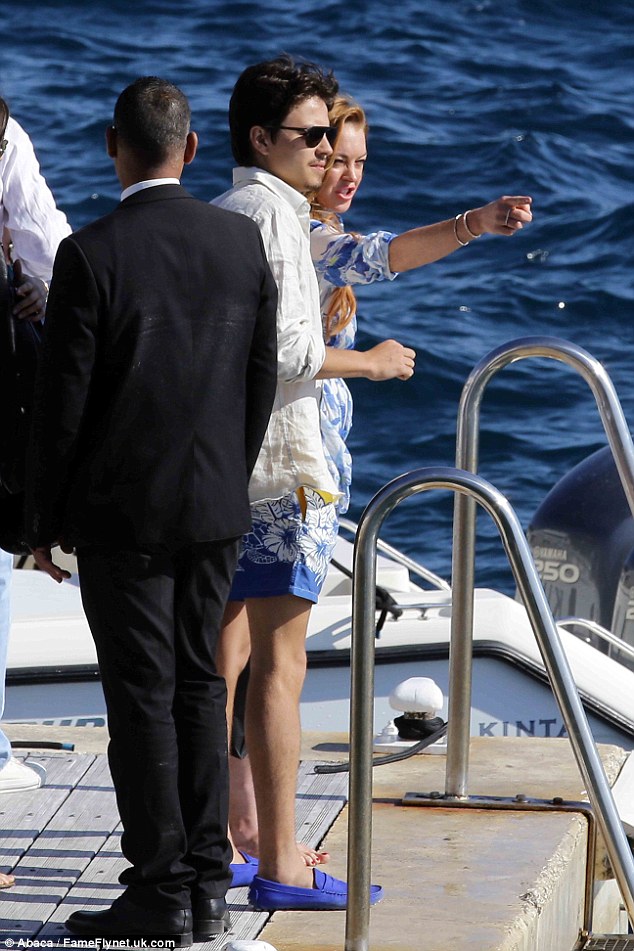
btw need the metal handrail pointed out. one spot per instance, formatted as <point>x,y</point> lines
<point>460,654</point>
<point>402,559</point>
<point>362,694</point>
<point>601,632</point>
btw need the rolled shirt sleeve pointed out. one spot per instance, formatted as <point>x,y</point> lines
<point>292,453</point>
<point>300,345</point>
<point>28,208</point>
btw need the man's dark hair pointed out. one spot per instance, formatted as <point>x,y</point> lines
<point>4,117</point>
<point>265,93</point>
<point>152,117</point>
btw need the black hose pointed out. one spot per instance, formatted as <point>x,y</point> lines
<point>41,745</point>
<point>390,758</point>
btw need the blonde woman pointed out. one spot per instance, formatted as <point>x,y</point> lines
<point>343,258</point>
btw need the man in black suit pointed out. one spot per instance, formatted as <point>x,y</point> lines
<point>157,378</point>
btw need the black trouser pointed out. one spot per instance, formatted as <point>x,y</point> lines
<point>155,618</point>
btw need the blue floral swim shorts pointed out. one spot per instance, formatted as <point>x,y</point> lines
<point>289,548</point>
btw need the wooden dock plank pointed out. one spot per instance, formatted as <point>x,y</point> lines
<point>65,846</point>
<point>320,798</point>
<point>23,815</point>
<point>95,889</point>
<point>66,837</point>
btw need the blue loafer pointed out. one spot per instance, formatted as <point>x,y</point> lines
<point>327,893</point>
<point>243,872</point>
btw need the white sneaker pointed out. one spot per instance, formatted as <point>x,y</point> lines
<point>17,777</point>
<point>249,946</point>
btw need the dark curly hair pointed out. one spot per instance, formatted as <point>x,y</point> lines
<point>4,117</point>
<point>266,92</point>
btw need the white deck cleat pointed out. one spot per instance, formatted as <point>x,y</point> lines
<point>16,776</point>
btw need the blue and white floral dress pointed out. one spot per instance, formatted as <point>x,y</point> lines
<point>343,259</point>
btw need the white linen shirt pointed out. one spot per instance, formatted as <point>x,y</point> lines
<point>292,454</point>
<point>27,206</point>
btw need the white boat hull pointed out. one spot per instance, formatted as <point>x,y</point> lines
<point>52,667</point>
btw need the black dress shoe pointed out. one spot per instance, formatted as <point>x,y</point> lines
<point>134,921</point>
<point>211,918</point>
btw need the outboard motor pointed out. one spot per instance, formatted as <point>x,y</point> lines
<point>581,537</point>
<point>623,616</point>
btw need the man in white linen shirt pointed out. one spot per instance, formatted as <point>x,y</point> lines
<point>28,208</point>
<point>281,139</point>
<point>35,227</point>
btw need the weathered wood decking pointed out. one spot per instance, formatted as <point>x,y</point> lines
<point>62,844</point>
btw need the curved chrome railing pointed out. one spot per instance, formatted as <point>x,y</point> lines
<point>362,697</point>
<point>462,580</point>
<point>601,632</point>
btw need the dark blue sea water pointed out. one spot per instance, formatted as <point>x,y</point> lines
<point>467,99</point>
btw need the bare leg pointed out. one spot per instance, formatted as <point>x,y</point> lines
<point>278,666</point>
<point>232,655</point>
<point>243,817</point>
<point>6,881</point>
<point>234,647</point>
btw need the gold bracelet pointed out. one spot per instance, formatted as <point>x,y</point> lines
<point>467,228</point>
<point>463,244</point>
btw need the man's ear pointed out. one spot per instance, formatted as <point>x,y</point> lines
<point>190,148</point>
<point>111,141</point>
<point>260,139</point>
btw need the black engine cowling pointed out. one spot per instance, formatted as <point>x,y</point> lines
<point>582,539</point>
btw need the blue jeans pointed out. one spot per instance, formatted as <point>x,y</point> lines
<point>6,567</point>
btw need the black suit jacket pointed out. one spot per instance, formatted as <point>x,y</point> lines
<point>157,377</point>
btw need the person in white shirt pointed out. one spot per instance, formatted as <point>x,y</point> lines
<point>281,139</point>
<point>32,227</point>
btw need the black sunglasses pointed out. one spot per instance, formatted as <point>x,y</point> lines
<point>314,134</point>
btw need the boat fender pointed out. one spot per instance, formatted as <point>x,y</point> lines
<point>420,695</point>
<point>419,699</point>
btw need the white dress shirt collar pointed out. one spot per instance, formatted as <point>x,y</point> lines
<point>149,183</point>
<point>298,202</point>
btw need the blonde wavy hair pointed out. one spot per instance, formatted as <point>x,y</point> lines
<point>343,304</point>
